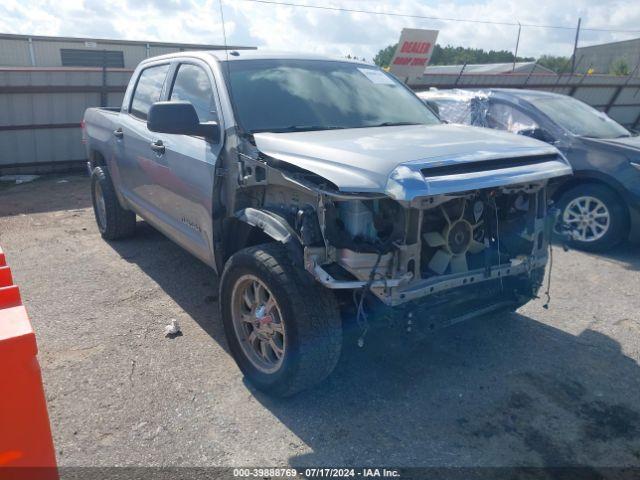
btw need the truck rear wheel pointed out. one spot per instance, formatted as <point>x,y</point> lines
<point>283,330</point>
<point>114,222</point>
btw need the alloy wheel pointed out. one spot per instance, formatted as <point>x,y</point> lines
<point>258,323</point>
<point>588,217</point>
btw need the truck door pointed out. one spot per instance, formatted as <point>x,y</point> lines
<point>140,165</point>
<point>185,189</point>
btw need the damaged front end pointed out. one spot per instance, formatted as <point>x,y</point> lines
<point>446,240</point>
<point>404,254</point>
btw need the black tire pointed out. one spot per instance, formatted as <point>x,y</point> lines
<point>618,229</point>
<point>310,316</point>
<point>115,222</point>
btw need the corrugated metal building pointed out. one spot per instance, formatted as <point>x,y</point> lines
<point>46,83</point>
<point>488,68</point>
<point>602,57</point>
<point>39,51</point>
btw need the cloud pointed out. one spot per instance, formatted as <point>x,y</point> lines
<point>321,31</point>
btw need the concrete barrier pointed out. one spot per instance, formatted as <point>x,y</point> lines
<point>26,445</point>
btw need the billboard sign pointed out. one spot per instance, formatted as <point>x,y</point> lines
<point>413,52</point>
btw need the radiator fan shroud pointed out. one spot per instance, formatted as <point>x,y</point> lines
<point>457,239</point>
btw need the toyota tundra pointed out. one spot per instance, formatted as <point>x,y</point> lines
<point>324,194</point>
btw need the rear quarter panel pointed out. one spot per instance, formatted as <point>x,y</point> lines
<point>102,146</point>
<point>99,126</point>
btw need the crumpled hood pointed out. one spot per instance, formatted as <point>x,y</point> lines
<point>390,159</point>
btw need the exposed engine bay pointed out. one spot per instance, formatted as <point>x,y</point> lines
<point>404,251</point>
<point>454,240</point>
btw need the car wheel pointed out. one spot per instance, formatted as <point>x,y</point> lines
<point>283,330</point>
<point>596,217</point>
<point>114,222</point>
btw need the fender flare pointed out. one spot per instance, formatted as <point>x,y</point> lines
<point>276,227</point>
<point>591,176</point>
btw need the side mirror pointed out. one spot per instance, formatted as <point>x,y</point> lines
<point>537,133</point>
<point>180,118</point>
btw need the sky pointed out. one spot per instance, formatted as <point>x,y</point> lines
<point>288,28</point>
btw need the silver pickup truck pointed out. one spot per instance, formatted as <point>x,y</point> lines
<point>325,195</point>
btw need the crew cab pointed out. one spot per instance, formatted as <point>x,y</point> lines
<point>325,195</point>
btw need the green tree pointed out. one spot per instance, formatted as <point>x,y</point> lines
<point>384,56</point>
<point>451,55</point>
<point>556,63</point>
<point>620,67</point>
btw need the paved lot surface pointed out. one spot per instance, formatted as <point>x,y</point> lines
<point>537,388</point>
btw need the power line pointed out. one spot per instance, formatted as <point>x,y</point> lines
<point>442,19</point>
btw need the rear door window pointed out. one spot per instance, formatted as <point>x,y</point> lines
<point>148,90</point>
<point>506,117</point>
<point>454,111</point>
<point>192,85</point>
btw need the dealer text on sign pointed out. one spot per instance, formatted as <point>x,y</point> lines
<point>413,52</point>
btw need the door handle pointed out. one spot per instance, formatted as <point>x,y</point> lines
<point>157,147</point>
<point>118,133</point>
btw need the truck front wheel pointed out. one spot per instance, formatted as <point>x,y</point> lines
<point>283,330</point>
<point>114,222</point>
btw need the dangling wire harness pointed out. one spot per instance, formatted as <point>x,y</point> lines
<point>361,315</point>
<point>548,292</point>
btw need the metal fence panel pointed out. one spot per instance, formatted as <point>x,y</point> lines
<point>44,147</point>
<point>595,96</point>
<point>629,95</point>
<point>59,145</point>
<point>41,110</point>
<point>17,147</point>
<point>626,115</point>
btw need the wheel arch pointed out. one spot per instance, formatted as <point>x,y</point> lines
<point>250,227</point>
<point>96,159</point>
<point>593,178</point>
<point>311,318</point>
<point>115,222</point>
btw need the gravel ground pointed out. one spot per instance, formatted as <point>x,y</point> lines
<point>537,388</point>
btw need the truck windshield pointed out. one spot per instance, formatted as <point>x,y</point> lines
<point>579,118</point>
<point>303,95</point>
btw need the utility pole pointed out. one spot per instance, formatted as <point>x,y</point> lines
<point>575,47</point>
<point>460,74</point>
<point>515,56</point>
<point>103,91</point>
